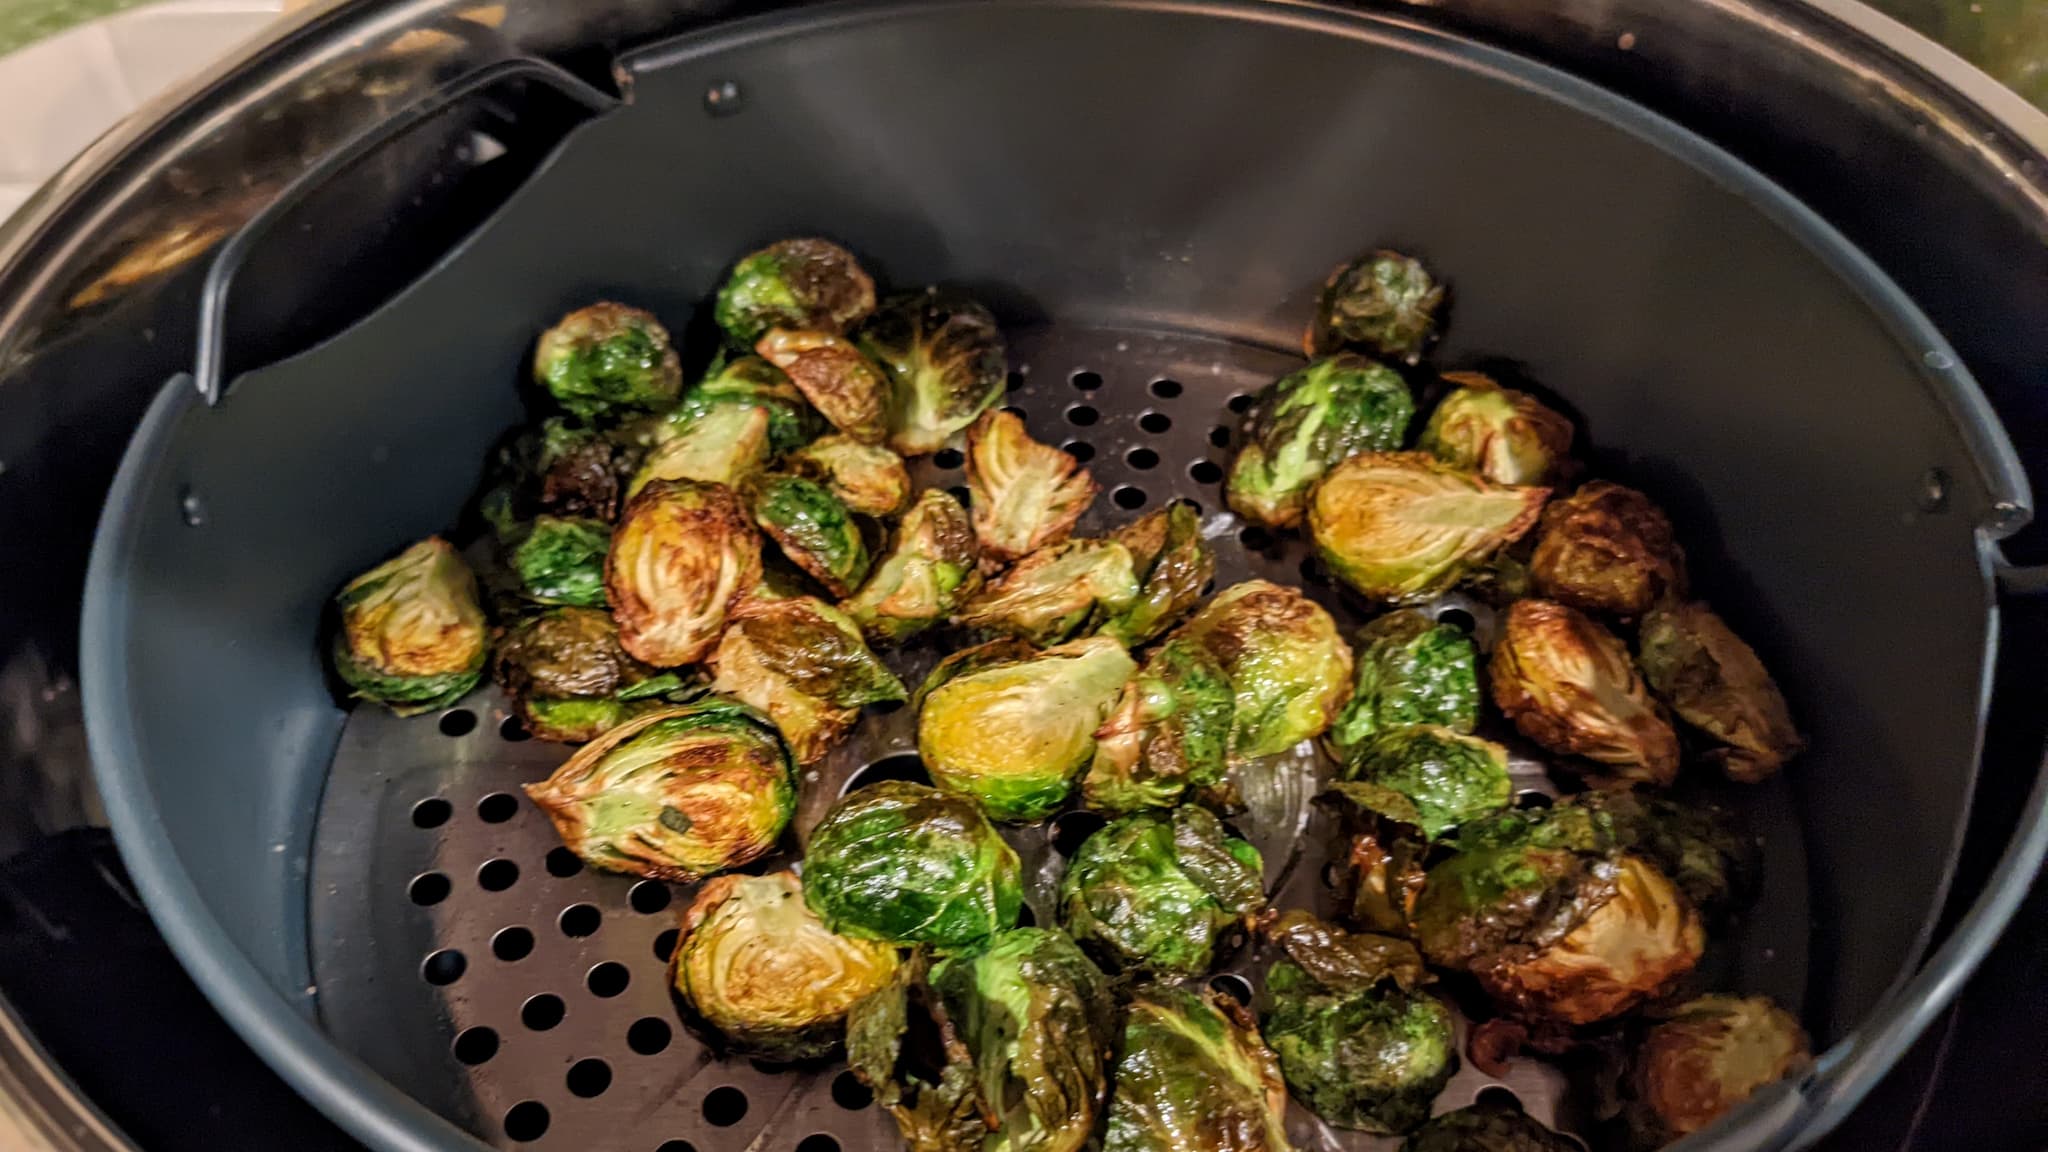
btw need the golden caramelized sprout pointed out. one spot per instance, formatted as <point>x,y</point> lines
<point>1706,1057</point>
<point>724,446</point>
<point>1568,684</point>
<point>928,572</point>
<point>1053,593</point>
<point>867,478</point>
<point>1289,669</point>
<point>1715,683</point>
<point>1025,495</point>
<point>1606,548</point>
<point>804,664</point>
<point>1401,527</point>
<point>412,635</point>
<point>1508,437</point>
<point>843,385</point>
<point>683,551</point>
<point>608,359</point>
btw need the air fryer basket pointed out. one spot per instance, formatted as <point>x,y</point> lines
<point>1147,193</point>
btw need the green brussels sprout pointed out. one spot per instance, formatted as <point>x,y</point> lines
<point>1401,527</point>
<point>1014,735</point>
<point>813,528</point>
<point>1305,423</point>
<point>1168,733</point>
<point>1508,437</point>
<point>804,664</point>
<point>1155,891</point>
<point>761,975</point>
<point>1431,777</point>
<point>798,283</point>
<point>1053,593</point>
<point>725,445</point>
<point>1382,302</point>
<point>930,570</point>
<point>1715,683</point>
<point>677,794</point>
<point>1192,1075</point>
<point>1411,670</point>
<point>867,478</point>
<point>1173,565</point>
<point>561,561</point>
<point>1695,840</point>
<point>1360,1044</point>
<point>1025,495</point>
<point>907,864</point>
<point>608,359</point>
<point>1708,1056</point>
<point>944,354</point>
<point>412,636</point>
<point>1486,1127</point>
<point>1606,548</point>
<point>1569,685</point>
<point>1288,667</point>
<point>746,382</point>
<point>843,385</point>
<point>564,670</point>
<point>683,552</point>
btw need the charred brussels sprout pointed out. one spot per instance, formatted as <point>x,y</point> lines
<point>804,664</point>
<point>565,671</point>
<point>676,794</point>
<point>1708,1056</point>
<point>1361,1045</point>
<point>1411,670</point>
<point>1167,735</point>
<point>683,551</point>
<point>840,383</point>
<point>1155,891</point>
<point>1192,1075</point>
<point>1509,437</point>
<point>944,356</point>
<point>1013,736</point>
<point>1606,548</point>
<point>1382,302</point>
<point>1486,1127</point>
<point>763,976</point>
<point>608,359</point>
<point>1401,527</point>
<point>723,446</point>
<point>1288,667</point>
<point>813,528</point>
<point>1433,778</point>
<point>1025,495</point>
<point>412,637</point>
<point>1051,594</point>
<point>561,561</point>
<point>1304,424</point>
<point>1380,876</point>
<point>1173,565</point>
<point>1695,840</point>
<point>559,470</point>
<point>1569,685</point>
<point>907,864</point>
<point>930,570</point>
<point>867,478</point>
<point>1716,684</point>
<point>800,283</point>
<point>749,382</point>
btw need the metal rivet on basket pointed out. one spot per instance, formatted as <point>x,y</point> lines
<point>723,98</point>
<point>191,508</point>
<point>1933,494</point>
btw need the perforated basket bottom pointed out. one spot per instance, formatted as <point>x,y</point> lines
<point>463,953</point>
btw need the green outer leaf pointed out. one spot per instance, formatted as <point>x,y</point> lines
<point>1383,302</point>
<point>1371,1059</point>
<point>1447,776</point>
<point>1287,665</point>
<point>1173,563</point>
<point>405,695</point>
<point>1410,670</point>
<point>1307,421</point>
<point>814,529</point>
<point>752,382</point>
<point>909,864</point>
<point>1487,1127</point>
<point>617,360</point>
<point>1192,1077</point>
<point>1520,882</point>
<point>1181,703</point>
<point>561,561</point>
<point>1155,891</point>
<point>937,1109</point>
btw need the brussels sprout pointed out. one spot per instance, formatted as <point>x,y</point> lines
<point>1013,736</point>
<point>1156,890</point>
<point>1287,665</point>
<point>1708,1056</point>
<point>1716,684</point>
<point>799,283</point>
<point>1380,877</point>
<point>578,469</point>
<point>412,637</point>
<point>749,382</point>
<point>677,794</point>
<point>762,976</point>
<point>1509,437</point>
<point>867,478</point>
<point>945,357</point>
<point>1382,302</point>
<point>805,665</point>
<point>1411,670</point>
<point>1697,842</point>
<point>1431,777</point>
<point>1568,684</point>
<point>1192,1075</point>
<point>840,383</point>
<point>1303,424</point>
<point>564,670</point>
<point>723,446</point>
<point>907,864</point>
<point>930,571</point>
<point>1169,732</point>
<point>814,529</point>
<point>683,551</point>
<point>1173,565</point>
<point>1486,1127</point>
<point>1606,548</point>
<point>1025,495</point>
<point>1401,527</point>
<point>1052,593</point>
<point>608,359</point>
<point>903,1043</point>
<point>561,561</point>
<point>1359,1043</point>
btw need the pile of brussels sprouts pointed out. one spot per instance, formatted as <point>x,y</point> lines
<point>693,583</point>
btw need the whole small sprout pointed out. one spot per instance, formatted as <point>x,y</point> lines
<point>1053,593</point>
<point>1715,683</point>
<point>1487,1127</point>
<point>1303,424</point>
<point>1383,303</point>
<point>1703,1059</point>
<point>1507,436</point>
<point>1167,737</point>
<point>1430,777</point>
<point>1569,685</point>
<point>412,634</point>
<point>1173,564</point>
<point>1401,527</point>
<point>799,283</point>
<point>561,561</point>
<point>841,383</point>
<point>813,529</point>
<point>682,553</point>
<point>1155,891</point>
<point>1606,548</point>
<point>1193,1074</point>
<point>931,569</point>
<point>1288,667</point>
<point>608,360</point>
<point>1411,670</point>
<point>906,864</point>
<point>1025,495</point>
<point>804,664</point>
<point>945,357</point>
<point>867,478</point>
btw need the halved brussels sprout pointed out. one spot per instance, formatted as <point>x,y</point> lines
<point>813,528</point>
<point>945,356</point>
<point>608,359</point>
<point>907,864</point>
<point>1431,777</point>
<point>750,382</point>
<point>677,794</point>
<point>1155,891</point>
<point>1706,1057</point>
<point>1168,734</point>
<point>682,553</point>
<point>931,569</point>
<point>1606,548</point>
<point>805,665</point>
<point>1025,495</point>
<point>561,561</point>
<point>1486,1127</point>
<point>1361,1045</point>
<point>1569,685</point>
<point>1303,424</point>
<point>1509,437</point>
<point>725,445</point>
<point>1013,736</point>
<point>1698,842</point>
<point>1401,527</point>
<point>1411,670</point>
<point>840,383</point>
<point>1288,667</point>
<point>867,478</point>
<point>798,283</point>
<point>763,976</point>
<point>1192,1075</point>
<point>412,636</point>
<point>564,670</point>
<point>1173,565</point>
<point>1518,883</point>
<point>1715,683</point>
<point>1382,302</point>
<point>1053,593</point>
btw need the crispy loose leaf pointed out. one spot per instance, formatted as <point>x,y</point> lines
<point>926,1081</point>
<point>683,551</point>
<point>1401,527</point>
<point>1715,683</point>
<point>1606,548</point>
<point>1025,495</point>
<point>1568,684</point>
<point>1053,593</point>
<point>1173,565</point>
<point>930,570</point>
